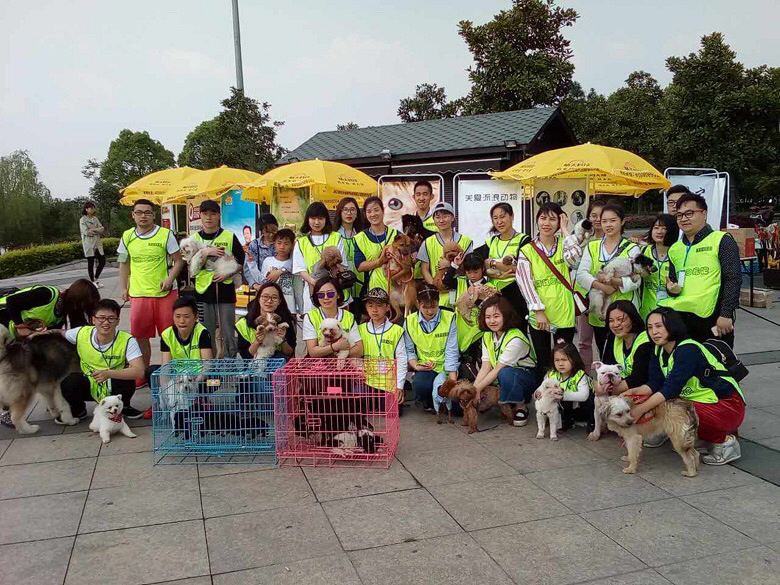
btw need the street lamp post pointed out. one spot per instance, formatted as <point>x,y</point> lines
<point>237,43</point>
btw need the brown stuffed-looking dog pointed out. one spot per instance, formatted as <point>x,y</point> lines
<point>449,253</point>
<point>465,393</point>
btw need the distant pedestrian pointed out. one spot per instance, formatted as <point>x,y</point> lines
<point>91,229</point>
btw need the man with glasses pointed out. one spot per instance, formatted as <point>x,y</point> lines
<point>704,274</point>
<point>673,196</point>
<point>145,278</point>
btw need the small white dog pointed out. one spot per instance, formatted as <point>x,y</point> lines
<point>331,333</point>
<point>636,268</point>
<point>194,253</point>
<point>608,378</point>
<point>548,399</point>
<point>107,419</point>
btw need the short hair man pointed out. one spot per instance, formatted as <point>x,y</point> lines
<point>423,195</point>
<point>673,196</point>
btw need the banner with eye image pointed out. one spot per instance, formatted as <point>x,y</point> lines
<point>398,196</point>
<point>570,194</point>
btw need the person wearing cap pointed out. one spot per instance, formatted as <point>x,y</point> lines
<point>145,279</point>
<point>383,339</point>
<point>431,339</point>
<point>217,297</point>
<point>432,249</point>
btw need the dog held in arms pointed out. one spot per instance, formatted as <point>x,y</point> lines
<point>194,253</point>
<point>274,334</point>
<point>450,251</point>
<point>620,267</point>
<point>466,394</point>
<point>35,365</point>
<point>107,419</point>
<point>331,333</point>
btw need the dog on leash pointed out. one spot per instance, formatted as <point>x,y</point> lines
<point>107,419</point>
<point>620,267</point>
<point>194,253</point>
<point>608,377</point>
<point>466,394</point>
<point>548,400</point>
<point>399,271</point>
<point>676,418</point>
<point>35,365</point>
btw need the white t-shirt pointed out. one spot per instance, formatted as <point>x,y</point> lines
<point>133,351</point>
<point>172,246</point>
<point>285,280</point>
<point>515,353</point>
<point>310,333</point>
<point>299,265</point>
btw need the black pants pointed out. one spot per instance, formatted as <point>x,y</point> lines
<point>148,373</point>
<point>600,334</point>
<point>470,361</point>
<point>75,389</point>
<point>543,342</point>
<point>700,329</point>
<point>583,413</point>
<point>95,274</point>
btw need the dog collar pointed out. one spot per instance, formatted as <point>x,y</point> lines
<point>639,399</point>
<point>117,418</point>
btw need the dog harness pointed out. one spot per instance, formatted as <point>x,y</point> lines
<point>205,277</point>
<point>148,262</point>
<point>639,399</point>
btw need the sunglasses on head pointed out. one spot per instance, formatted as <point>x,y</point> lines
<point>326,295</point>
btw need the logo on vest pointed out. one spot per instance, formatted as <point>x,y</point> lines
<point>687,391</point>
<point>697,271</point>
<point>704,249</point>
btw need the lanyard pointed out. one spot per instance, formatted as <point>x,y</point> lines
<point>659,263</point>
<point>110,360</point>
<point>503,253</point>
<point>436,320</point>
<point>378,338</point>
<point>500,345</point>
<point>602,256</point>
<point>687,251</point>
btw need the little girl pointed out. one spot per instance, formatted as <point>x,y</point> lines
<point>569,370</point>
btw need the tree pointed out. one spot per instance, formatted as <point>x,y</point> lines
<point>347,126</point>
<point>428,103</point>
<point>241,136</point>
<point>22,197</point>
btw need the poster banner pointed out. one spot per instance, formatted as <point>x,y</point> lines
<point>193,215</point>
<point>712,188</point>
<point>570,194</point>
<point>473,201</point>
<point>239,217</point>
<point>289,207</point>
<point>398,197</point>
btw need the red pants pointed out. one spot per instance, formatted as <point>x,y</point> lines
<point>720,419</point>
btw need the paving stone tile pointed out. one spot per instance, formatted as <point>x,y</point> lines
<point>647,577</point>
<point>426,435</point>
<point>529,454</point>
<point>384,519</point>
<point>456,465</point>
<point>136,469</point>
<point>150,554</point>
<point>773,443</point>
<point>475,506</point>
<point>52,448</point>
<point>493,429</point>
<point>4,444</point>
<point>51,477</point>
<point>319,571</point>
<point>610,447</point>
<point>593,487</point>
<point>47,428</point>
<point>257,539</point>
<point>666,531</point>
<point>343,482</point>
<point>120,445</point>
<point>253,492</point>
<point>556,550</point>
<point>771,409</point>
<point>761,386</point>
<point>754,510</point>
<point>191,581</point>
<point>238,464</point>
<point>120,507</point>
<point>454,560</point>
<point>758,424</point>
<point>755,566</point>
<point>40,517</point>
<point>36,563</point>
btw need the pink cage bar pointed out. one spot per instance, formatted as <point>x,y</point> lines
<point>333,412</point>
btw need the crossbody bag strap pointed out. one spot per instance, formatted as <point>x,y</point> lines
<point>552,267</point>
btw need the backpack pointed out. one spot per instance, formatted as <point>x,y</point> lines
<point>722,352</point>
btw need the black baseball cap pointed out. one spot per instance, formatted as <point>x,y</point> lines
<point>209,205</point>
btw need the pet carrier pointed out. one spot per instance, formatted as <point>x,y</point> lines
<point>336,412</point>
<point>214,411</point>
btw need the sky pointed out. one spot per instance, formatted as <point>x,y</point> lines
<point>75,73</point>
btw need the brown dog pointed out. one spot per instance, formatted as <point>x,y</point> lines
<point>450,252</point>
<point>400,272</point>
<point>504,268</point>
<point>465,393</point>
<point>467,303</point>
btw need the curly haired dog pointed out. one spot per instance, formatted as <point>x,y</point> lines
<point>465,393</point>
<point>504,268</point>
<point>677,418</point>
<point>274,334</point>
<point>637,268</point>
<point>330,264</point>
<point>467,302</point>
<point>194,253</point>
<point>449,253</point>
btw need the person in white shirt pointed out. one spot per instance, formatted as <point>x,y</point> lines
<point>327,298</point>
<point>279,267</point>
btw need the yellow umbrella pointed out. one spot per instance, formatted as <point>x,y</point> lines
<point>154,185</point>
<point>329,182</point>
<point>210,184</point>
<point>609,170</point>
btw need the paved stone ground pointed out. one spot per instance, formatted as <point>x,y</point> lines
<point>496,507</point>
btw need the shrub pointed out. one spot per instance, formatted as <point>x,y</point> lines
<point>28,260</point>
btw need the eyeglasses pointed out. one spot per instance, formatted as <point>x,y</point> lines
<point>326,295</point>
<point>687,214</point>
<point>268,298</point>
<point>143,213</point>
<point>106,319</point>
<point>671,204</point>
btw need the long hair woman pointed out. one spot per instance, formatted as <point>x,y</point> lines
<point>91,229</point>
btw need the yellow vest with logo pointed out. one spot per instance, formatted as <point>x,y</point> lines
<point>148,262</point>
<point>431,346</point>
<point>312,253</point>
<point>380,349</point>
<point>429,224</point>
<point>346,319</point>
<point>653,283</point>
<point>627,359</point>
<point>45,313</point>
<point>694,389</point>
<point>371,250</point>
<point>494,353</point>
<point>558,300</point>
<point>191,351</point>
<point>569,384</point>
<point>205,277</point>
<point>91,358</point>
<point>701,285</point>
<point>244,330</point>
<point>594,246</point>
<point>349,250</point>
<point>467,334</point>
<point>499,248</point>
<point>435,253</point>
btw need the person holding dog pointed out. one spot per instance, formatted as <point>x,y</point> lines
<point>269,299</point>
<point>431,339</point>
<point>683,368</point>
<point>327,298</point>
<point>259,249</point>
<point>349,223</point>
<point>662,235</point>
<point>370,244</point>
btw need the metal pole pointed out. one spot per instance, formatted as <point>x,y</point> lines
<point>237,43</point>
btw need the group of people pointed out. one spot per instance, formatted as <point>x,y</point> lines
<point>534,327</point>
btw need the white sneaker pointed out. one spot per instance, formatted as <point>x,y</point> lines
<point>723,453</point>
<point>98,284</point>
<point>656,441</point>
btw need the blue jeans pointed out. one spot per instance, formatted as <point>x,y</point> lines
<point>517,385</point>
<point>425,383</point>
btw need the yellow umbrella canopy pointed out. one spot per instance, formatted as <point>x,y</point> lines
<point>329,182</point>
<point>210,184</point>
<point>153,186</point>
<point>609,170</point>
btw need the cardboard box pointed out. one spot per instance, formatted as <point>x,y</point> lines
<point>746,241</point>
<point>762,297</point>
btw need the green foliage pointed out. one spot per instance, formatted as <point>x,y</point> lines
<point>22,198</point>
<point>347,126</point>
<point>241,136</point>
<point>28,260</point>
<point>428,103</point>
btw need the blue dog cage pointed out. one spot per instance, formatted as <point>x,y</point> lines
<point>214,411</point>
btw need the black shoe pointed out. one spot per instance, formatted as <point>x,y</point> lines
<point>401,410</point>
<point>521,418</point>
<point>130,412</point>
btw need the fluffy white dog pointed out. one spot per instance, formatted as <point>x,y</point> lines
<point>194,253</point>
<point>107,419</point>
<point>608,378</point>
<point>331,333</point>
<point>548,399</point>
<point>636,268</point>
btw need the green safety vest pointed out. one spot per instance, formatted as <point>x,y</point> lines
<point>205,277</point>
<point>435,252</point>
<point>371,250</point>
<point>46,313</point>
<point>345,318</point>
<point>653,284</point>
<point>349,250</point>
<point>114,358</point>
<point>499,248</point>
<point>701,285</point>
<point>244,330</point>
<point>495,352</point>
<point>569,384</point>
<point>627,359</point>
<point>467,334</point>
<point>181,352</point>
<point>380,371</point>
<point>594,246</point>
<point>558,300</point>
<point>694,389</point>
<point>431,346</point>
<point>312,254</point>
<point>429,224</point>
<point>148,262</point>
